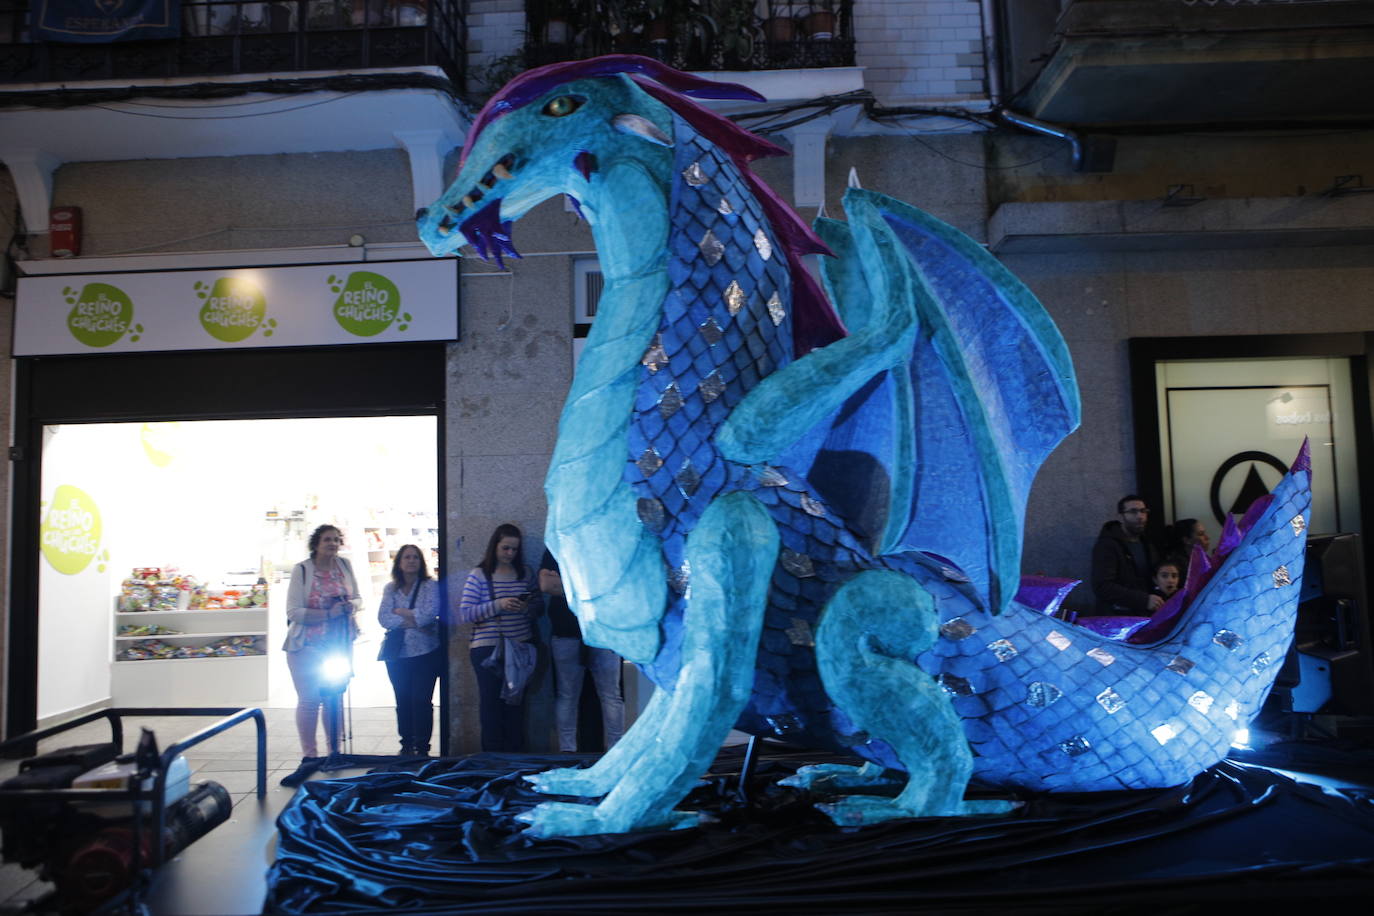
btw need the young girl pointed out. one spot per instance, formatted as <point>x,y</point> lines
<point>1167,579</point>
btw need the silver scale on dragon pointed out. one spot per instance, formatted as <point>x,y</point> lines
<point>1040,694</point>
<point>651,511</point>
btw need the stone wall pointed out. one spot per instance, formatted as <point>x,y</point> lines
<point>921,49</point>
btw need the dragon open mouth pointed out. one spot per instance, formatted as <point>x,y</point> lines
<point>483,228</point>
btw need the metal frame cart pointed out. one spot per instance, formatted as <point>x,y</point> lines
<point>100,846</point>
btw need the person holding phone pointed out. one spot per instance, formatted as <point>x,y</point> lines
<point>321,600</point>
<point>498,600</point>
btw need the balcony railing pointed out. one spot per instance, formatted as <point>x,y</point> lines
<point>225,37</point>
<point>695,34</point>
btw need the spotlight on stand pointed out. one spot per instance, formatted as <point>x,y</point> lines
<point>336,670</point>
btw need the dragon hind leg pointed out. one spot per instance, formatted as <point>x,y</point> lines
<point>731,551</point>
<point>870,633</point>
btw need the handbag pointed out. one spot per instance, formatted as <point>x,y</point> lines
<point>394,641</point>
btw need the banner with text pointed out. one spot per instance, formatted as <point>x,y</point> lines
<point>98,21</point>
<point>326,305</point>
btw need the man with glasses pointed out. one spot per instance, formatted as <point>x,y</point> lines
<point>1123,561</point>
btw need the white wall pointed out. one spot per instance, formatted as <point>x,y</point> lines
<point>75,624</point>
<point>195,496</point>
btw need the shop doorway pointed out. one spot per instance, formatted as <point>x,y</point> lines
<point>157,401</point>
<point>166,548</point>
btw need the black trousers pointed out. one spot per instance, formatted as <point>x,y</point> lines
<point>413,679</point>
<point>503,725</point>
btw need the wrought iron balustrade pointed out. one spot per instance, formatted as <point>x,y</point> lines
<point>228,37</point>
<point>694,34</point>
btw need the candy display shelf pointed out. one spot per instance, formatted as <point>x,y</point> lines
<point>381,538</point>
<point>210,679</point>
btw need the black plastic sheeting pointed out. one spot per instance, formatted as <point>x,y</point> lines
<point>444,840</point>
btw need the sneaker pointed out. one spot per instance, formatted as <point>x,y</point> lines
<point>303,772</point>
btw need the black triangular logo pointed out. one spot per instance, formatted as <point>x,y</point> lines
<point>1251,490</point>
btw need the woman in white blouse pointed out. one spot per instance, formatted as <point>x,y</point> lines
<point>413,650</point>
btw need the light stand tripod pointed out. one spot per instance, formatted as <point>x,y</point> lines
<point>336,679</point>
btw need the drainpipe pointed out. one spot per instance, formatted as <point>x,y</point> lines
<point>1049,130</point>
<point>992,58</point>
<point>992,54</point>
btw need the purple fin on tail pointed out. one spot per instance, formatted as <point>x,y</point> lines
<point>1304,460</point>
<point>1045,593</point>
<point>1201,567</point>
<point>1230,537</point>
<point>1253,514</point>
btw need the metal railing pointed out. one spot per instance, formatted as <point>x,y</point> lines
<point>694,35</point>
<point>229,37</point>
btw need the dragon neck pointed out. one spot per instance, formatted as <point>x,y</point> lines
<point>695,312</point>
<point>723,327</point>
<point>630,242</point>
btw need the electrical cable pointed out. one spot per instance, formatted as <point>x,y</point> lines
<point>225,229</point>
<point>347,83</point>
<point>255,114</point>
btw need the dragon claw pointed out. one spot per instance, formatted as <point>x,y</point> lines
<point>862,810</point>
<point>836,777</point>
<point>566,781</point>
<point>567,819</point>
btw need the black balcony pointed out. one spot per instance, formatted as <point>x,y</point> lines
<point>693,34</point>
<point>238,37</point>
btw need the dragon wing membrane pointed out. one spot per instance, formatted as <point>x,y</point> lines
<point>989,390</point>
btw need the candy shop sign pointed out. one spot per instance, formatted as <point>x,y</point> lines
<point>69,534</point>
<point>323,305</point>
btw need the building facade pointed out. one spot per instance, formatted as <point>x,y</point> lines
<point>1174,180</point>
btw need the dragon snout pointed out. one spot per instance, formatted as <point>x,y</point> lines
<point>479,222</point>
<point>481,226</point>
<point>501,171</point>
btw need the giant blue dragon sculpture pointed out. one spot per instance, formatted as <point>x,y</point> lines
<point>812,529</point>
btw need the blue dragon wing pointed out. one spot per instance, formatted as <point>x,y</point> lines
<point>986,392</point>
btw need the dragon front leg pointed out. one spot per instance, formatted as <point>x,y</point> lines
<point>602,776</point>
<point>731,552</point>
<point>870,633</point>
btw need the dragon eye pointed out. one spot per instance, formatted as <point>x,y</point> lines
<point>562,106</point>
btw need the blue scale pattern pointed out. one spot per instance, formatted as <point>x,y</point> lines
<point>713,357</point>
<point>1045,705</point>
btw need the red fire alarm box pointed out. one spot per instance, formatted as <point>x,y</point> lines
<point>64,228</point>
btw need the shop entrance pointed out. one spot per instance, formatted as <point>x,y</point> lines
<point>189,532</point>
<point>214,466</point>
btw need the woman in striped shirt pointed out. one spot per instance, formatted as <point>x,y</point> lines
<point>497,601</point>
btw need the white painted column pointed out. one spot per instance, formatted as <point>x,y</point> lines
<point>808,161</point>
<point>32,169</point>
<point>427,149</point>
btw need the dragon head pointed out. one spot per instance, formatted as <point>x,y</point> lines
<point>552,130</point>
